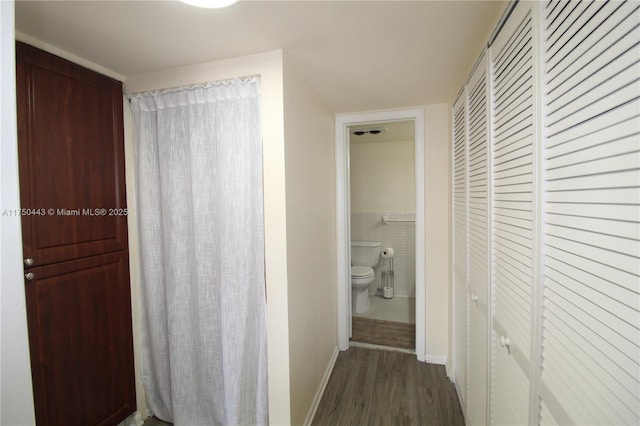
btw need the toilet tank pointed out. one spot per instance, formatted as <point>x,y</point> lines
<point>365,253</point>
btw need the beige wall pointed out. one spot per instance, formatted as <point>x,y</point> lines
<point>437,225</point>
<point>382,177</point>
<point>16,405</point>
<point>311,240</point>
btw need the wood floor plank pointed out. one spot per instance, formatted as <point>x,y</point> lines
<point>391,388</point>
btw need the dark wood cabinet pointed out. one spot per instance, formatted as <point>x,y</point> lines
<point>74,224</point>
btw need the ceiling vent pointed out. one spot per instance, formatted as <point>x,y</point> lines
<point>370,131</point>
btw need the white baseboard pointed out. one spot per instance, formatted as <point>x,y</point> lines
<point>323,384</point>
<point>449,372</point>
<point>436,359</point>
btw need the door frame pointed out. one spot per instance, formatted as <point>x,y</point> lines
<point>343,219</point>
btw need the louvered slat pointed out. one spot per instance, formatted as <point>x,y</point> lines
<point>591,339</point>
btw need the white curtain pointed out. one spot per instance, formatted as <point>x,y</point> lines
<point>199,165</point>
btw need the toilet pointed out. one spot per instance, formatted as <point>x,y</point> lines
<point>365,255</point>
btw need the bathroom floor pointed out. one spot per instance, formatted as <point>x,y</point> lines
<point>388,322</point>
<point>384,333</point>
<point>397,309</point>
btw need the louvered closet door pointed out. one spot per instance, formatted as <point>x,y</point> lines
<point>590,367</point>
<point>478,238</point>
<point>460,245</point>
<point>513,216</point>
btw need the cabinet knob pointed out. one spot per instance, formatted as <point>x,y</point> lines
<point>505,343</point>
<point>28,261</point>
<point>29,276</point>
<point>474,299</point>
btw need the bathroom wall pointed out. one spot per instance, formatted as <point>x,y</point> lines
<point>399,235</point>
<point>382,180</point>
<point>382,176</point>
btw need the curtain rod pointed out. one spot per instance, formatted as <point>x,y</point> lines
<point>193,86</point>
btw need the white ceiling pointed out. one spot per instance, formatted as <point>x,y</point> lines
<point>358,55</point>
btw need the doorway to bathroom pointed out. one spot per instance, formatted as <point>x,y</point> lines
<point>382,210</point>
<point>380,186</point>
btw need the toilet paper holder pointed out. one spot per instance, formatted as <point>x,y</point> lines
<point>387,276</point>
<point>387,284</point>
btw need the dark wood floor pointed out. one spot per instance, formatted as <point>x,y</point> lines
<point>387,388</point>
<point>377,387</point>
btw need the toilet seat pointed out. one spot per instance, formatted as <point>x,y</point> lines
<point>360,272</point>
<point>361,279</point>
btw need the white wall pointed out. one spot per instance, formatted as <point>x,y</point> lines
<point>437,227</point>
<point>269,67</point>
<point>382,176</point>
<point>16,405</point>
<point>311,240</point>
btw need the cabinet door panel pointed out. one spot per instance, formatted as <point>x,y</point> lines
<point>81,343</point>
<point>71,159</point>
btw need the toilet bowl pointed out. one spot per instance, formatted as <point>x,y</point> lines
<point>361,279</point>
<point>365,255</point>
